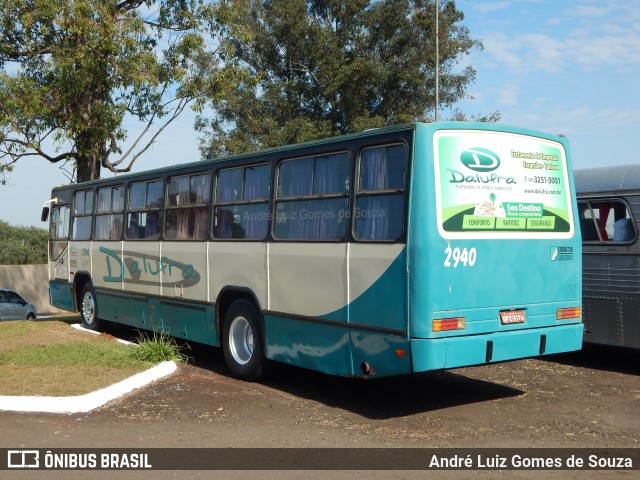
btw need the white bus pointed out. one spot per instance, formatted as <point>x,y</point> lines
<point>397,250</point>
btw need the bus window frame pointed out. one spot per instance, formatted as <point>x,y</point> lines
<point>146,209</point>
<point>360,193</point>
<point>276,198</point>
<point>109,213</point>
<point>242,202</point>
<point>594,219</point>
<point>82,215</point>
<point>205,205</point>
<point>55,214</point>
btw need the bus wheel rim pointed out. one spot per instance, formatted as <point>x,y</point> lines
<point>241,340</point>
<point>88,307</point>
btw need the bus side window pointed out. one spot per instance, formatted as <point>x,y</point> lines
<point>82,215</point>
<point>312,198</point>
<point>242,203</point>
<point>60,222</point>
<point>188,207</point>
<point>108,224</point>
<point>144,217</point>
<point>606,221</point>
<point>380,194</point>
<point>587,223</point>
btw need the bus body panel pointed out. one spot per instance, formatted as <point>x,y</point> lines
<point>611,266</point>
<point>238,265</point>
<point>61,295</point>
<point>59,260</point>
<point>378,286</point>
<point>182,270</point>
<point>308,279</point>
<point>379,316</point>
<point>316,345</point>
<point>475,276</point>
<point>611,285</point>
<point>371,328</point>
<point>452,352</point>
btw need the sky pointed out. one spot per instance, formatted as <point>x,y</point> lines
<point>569,67</point>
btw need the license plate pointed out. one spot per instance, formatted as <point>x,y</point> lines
<point>512,316</point>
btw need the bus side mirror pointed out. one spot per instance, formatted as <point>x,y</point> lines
<point>45,214</point>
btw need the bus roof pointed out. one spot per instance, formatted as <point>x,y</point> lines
<point>251,154</point>
<point>607,179</point>
<point>325,141</point>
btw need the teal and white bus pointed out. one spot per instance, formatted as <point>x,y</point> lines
<point>395,250</point>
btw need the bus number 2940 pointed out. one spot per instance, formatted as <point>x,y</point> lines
<point>456,256</point>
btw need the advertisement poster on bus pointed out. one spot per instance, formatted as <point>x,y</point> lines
<point>501,185</point>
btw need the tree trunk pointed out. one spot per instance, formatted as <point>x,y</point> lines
<point>90,152</point>
<point>88,169</point>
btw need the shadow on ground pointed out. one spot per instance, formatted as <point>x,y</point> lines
<point>602,357</point>
<point>372,398</point>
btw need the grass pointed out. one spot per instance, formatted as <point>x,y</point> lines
<point>159,347</point>
<point>48,358</point>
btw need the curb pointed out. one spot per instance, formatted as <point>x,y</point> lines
<point>89,401</point>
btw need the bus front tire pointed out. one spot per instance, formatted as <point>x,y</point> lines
<point>89,308</point>
<point>242,341</point>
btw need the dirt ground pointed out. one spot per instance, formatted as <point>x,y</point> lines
<point>585,399</point>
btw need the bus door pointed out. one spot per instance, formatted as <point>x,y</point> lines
<point>59,258</point>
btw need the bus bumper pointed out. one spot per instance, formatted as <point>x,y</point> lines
<point>452,352</point>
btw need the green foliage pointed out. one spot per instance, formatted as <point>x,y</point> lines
<point>325,67</point>
<point>72,70</point>
<point>22,245</point>
<point>159,347</point>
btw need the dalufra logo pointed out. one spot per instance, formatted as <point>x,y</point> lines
<point>480,159</point>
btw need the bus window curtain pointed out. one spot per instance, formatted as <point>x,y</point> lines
<point>103,222</point>
<point>256,187</point>
<point>373,211</point>
<point>224,222</point>
<point>299,183</point>
<point>182,225</point>
<point>257,182</point>
<point>200,222</point>
<point>153,222</point>
<point>201,214</point>
<point>255,220</point>
<point>326,178</point>
<point>602,221</point>
<point>103,227</point>
<point>224,215</point>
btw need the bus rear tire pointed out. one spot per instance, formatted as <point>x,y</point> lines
<point>89,308</point>
<point>242,341</point>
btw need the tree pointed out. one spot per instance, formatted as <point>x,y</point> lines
<point>72,70</point>
<point>22,245</point>
<point>317,68</point>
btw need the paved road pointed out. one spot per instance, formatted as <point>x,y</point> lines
<point>587,399</point>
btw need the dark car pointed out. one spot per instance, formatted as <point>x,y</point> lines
<point>14,307</point>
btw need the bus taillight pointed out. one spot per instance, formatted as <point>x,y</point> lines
<point>443,324</point>
<point>566,313</point>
